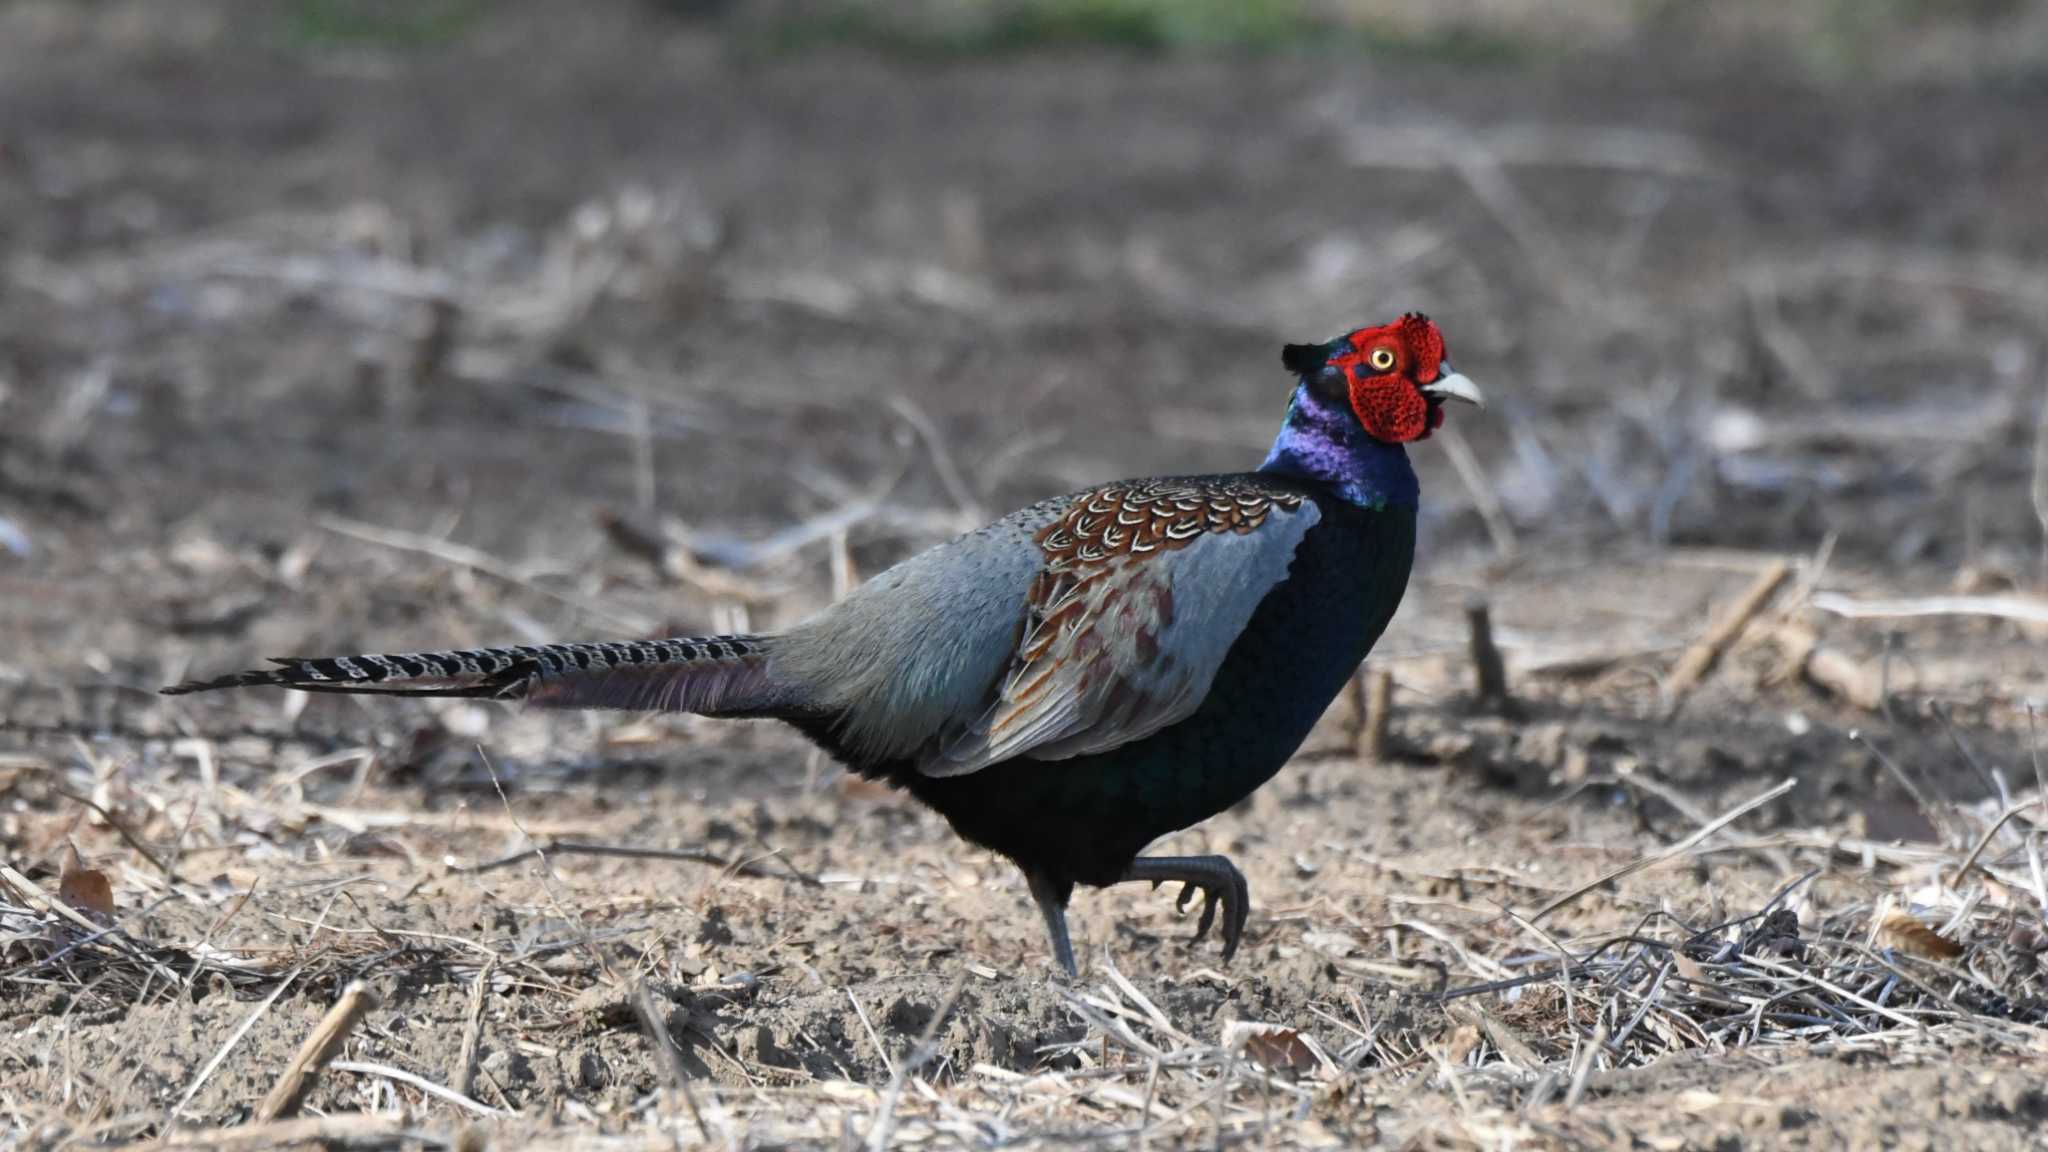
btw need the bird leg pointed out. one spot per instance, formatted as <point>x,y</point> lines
<point>1051,896</point>
<point>1215,877</point>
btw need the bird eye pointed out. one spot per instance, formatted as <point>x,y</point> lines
<point>1381,358</point>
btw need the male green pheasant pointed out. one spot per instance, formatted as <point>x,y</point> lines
<point>1081,677</point>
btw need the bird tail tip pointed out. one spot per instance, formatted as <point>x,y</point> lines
<point>233,680</point>
<point>681,674</point>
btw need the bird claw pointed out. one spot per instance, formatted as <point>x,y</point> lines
<point>1221,888</point>
<point>1208,918</point>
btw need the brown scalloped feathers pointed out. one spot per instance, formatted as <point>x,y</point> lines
<point>1147,515</point>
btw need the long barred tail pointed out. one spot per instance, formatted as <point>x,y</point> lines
<point>714,675</point>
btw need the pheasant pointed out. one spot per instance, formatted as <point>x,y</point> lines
<point>1080,677</point>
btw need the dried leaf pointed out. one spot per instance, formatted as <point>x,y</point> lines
<point>1907,934</point>
<point>87,890</point>
<point>1464,1038</point>
<point>1689,969</point>
<point>1271,1046</point>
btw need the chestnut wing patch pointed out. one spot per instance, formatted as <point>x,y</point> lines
<point>1144,588</point>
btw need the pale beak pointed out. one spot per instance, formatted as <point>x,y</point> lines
<point>1454,386</point>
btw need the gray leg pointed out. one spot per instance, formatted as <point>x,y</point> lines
<point>1215,877</point>
<point>1052,904</point>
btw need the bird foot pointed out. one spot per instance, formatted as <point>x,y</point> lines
<point>1216,878</point>
<point>1051,897</point>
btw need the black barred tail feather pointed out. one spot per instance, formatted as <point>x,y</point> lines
<point>710,675</point>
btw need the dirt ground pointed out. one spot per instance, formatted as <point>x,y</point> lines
<point>602,321</point>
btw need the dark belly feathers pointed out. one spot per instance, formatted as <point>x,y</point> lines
<point>1082,820</point>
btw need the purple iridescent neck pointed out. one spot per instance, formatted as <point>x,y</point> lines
<point>1322,441</point>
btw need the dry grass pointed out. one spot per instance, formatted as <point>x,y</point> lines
<point>1939,952</point>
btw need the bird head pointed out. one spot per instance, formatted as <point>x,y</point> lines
<point>1395,378</point>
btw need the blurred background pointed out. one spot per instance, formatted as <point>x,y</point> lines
<point>352,325</point>
<point>342,325</point>
<point>807,283</point>
<point>360,325</point>
<point>1739,273</point>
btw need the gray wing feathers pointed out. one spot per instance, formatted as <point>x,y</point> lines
<point>1138,641</point>
<point>910,657</point>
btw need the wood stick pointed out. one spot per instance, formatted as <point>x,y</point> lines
<point>1835,671</point>
<point>424,1085</point>
<point>343,1130</point>
<point>1698,660</point>
<point>1376,713</point>
<point>321,1046</point>
<point>473,1031</point>
<point>2020,608</point>
<point>1490,674</point>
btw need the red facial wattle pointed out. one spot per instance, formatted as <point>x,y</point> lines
<point>1389,407</point>
<point>1388,398</point>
